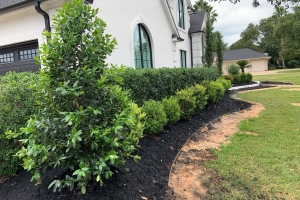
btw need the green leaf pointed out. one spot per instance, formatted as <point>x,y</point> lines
<point>83,190</point>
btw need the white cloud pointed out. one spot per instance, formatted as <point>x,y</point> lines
<point>234,18</point>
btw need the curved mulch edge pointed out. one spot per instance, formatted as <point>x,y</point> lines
<point>188,171</point>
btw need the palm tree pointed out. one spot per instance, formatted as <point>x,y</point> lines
<point>279,13</point>
<point>243,64</point>
<point>205,6</point>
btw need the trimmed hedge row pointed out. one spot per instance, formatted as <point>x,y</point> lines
<point>239,78</point>
<point>157,84</point>
<point>178,89</point>
<point>16,105</point>
<point>182,105</point>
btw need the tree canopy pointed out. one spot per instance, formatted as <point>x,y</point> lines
<point>275,3</point>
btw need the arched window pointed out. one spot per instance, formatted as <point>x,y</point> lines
<point>142,48</point>
<point>180,14</point>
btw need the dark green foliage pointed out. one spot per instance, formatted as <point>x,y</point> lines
<point>187,102</point>
<point>249,78</point>
<point>243,78</point>
<point>17,102</point>
<point>233,69</point>
<point>171,108</point>
<point>209,57</point>
<point>156,84</point>
<point>236,79</point>
<point>85,122</point>
<point>155,118</point>
<point>293,64</point>
<point>220,51</point>
<point>199,92</point>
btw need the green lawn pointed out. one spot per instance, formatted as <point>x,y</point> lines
<point>292,76</point>
<point>265,165</point>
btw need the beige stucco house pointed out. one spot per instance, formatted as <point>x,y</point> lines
<point>257,60</point>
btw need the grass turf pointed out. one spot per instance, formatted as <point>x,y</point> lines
<point>266,164</point>
<point>291,76</point>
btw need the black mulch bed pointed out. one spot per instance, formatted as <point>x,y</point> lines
<point>276,83</point>
<point>242,84</point>
<point>148,178</point>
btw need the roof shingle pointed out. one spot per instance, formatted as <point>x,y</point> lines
<point>242,54</point>
<point>196,21</point>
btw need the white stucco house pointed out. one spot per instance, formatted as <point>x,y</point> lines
<point>150,33</point>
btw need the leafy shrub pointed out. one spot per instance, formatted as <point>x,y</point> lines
<point>293,64</point>
<point>187,102</point>
<point>171,108</point>
<point>249,77</point>
<point>17,103</point>
<point>199,92</point>
<point>233,69</point>
<point>243,78</point>
<point>155,118</point>
<point>156,84</point>
<point>236,79</point>
<point>85,122</point>
<point>220,90</point>
<point>226,83</point>
<point>210,92</point>
<point>228,77</point>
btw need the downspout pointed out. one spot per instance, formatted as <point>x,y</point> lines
<point>38,8</point>
<point>191,44</point>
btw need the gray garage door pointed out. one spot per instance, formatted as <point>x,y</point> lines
<point>19,57</point>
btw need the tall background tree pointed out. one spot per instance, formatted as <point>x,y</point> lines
<point>250,38</point>
<point>209,57</point>
<point>220,51</point>
<point>288,29</point>
<point>275,3</point>
<point>277,15</point>
<point>211,37</point>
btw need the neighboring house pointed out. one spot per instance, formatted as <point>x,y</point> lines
<point>257,60</point>
<point>150,34</point>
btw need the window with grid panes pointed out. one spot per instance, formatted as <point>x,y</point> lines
<point>180,14</point>
<point>182,59</point>
<point>28,54</point>
<point>6,57</point>
<point>142,48</point>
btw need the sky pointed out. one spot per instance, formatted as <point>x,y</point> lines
<point>234,18</point>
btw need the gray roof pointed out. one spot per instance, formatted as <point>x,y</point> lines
<point>7,3</point>
<point>196,20</point>
<point>10,5</point>
<point>242,54</point>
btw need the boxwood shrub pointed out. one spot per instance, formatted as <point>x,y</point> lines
<point>243,78</point>
<point>17,103</point>
<point>187,102</point>
<point>155,116</point>
<point>156,84</point>
<point>171,108</point>
<point>199,92</point>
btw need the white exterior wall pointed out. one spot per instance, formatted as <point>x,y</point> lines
<point>154,17</point>
<point>198,48</point>
<point>25,24</point>
<point>121,18</point>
